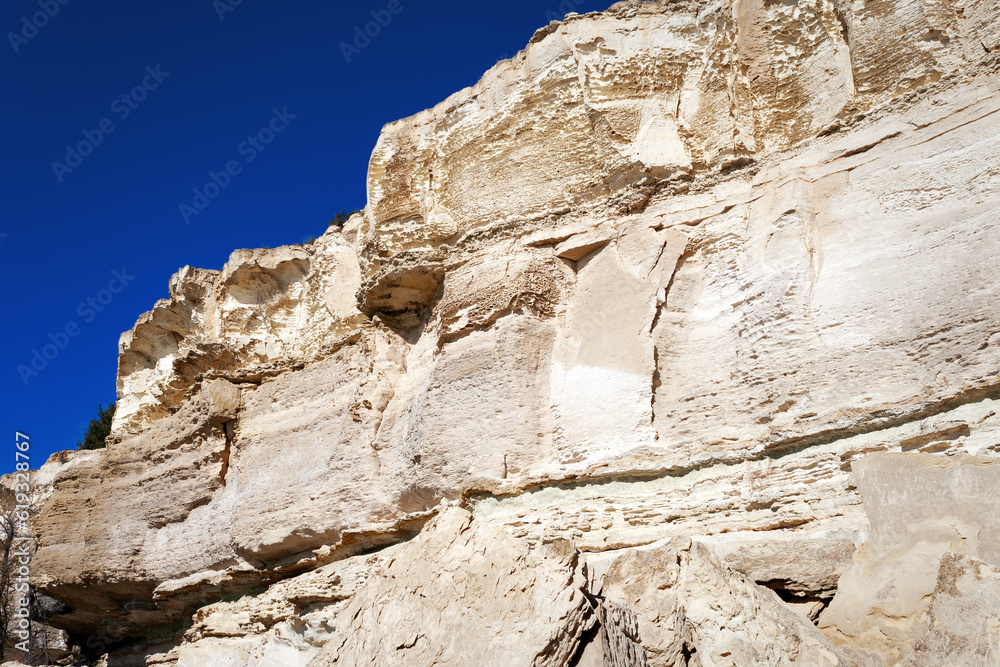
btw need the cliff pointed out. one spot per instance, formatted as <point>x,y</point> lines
<point>653,286</point>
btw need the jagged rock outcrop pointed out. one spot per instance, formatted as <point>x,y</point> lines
<point>693,609</point>
<point>286,625</point>
<point>667,273</point>
<point>466,593</point>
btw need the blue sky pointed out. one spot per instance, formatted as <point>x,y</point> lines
<point>114,113</point>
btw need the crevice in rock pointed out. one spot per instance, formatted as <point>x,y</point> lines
<point>403,298</point>
<point>688,654</point>
<point>681,261</point>
<point>657,383</point>
<point>808,604</point>
<point>586,641</point>
<point>657,380</point>
<point>230,431</point>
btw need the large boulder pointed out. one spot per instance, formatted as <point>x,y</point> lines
<point>461,593</point>
<point>693,610</point>
<point>964,618</point>
<point>921,507</point>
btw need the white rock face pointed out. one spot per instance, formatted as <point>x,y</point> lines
<point>667,273</point>
<point>265,307</point>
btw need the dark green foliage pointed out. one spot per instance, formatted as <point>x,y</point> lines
<point>341,218</point>
<point>99,429</point>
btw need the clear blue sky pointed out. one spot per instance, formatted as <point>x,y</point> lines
<point>113,205</point>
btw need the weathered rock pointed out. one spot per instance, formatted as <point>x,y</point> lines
<point>465,593</point>
<point>286,626</point>
<point>692,609</point>
<point>921,508</point>
<point>265,307</point>
<point>964,616</point>
<point>796,567</point>
<point>666,273</point>
<point>602,109</point>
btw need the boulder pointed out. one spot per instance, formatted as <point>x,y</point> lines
<point>463,592</point>
<point>921,507</point>
<point>693,609</point>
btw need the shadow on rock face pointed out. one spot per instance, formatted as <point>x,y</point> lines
<point>404,299</point>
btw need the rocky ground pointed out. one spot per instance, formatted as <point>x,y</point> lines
<point>673,341</point>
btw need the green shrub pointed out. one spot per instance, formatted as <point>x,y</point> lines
<point>99,428</point>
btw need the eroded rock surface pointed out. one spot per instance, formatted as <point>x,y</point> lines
<point>667,273</point>
<point>466,593</point>
<point>922,508</point>
<point>692,609</point>
<point>964,616</point>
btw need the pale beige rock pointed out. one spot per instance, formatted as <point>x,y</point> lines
<point>579,246</point>
<point>984,18</point>
<point>964,628</point>
<point>284,627</point>
<point>617,643</point>
<point>268,306</point>
<point>485,289</point>
<point>602,110</point>
<point>692,609</point>
<point>223,398</point>
<point>780,360</point>
<point>798,202</point>
<point>604,355</point>
<point>465,593</point>
<point>921,508</point>
<point>799,566</point>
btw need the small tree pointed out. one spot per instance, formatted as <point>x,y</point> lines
<point>99,429</point>
<point>25,639</point>
<point>341,218</point>
<point>8,571</point>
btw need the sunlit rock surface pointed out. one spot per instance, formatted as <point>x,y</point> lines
<point>925,512</point>
<point>667,273</point>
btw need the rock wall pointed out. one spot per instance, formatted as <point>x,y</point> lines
<point>667,273</point>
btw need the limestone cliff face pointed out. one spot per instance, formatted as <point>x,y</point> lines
<point>665,274</point>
